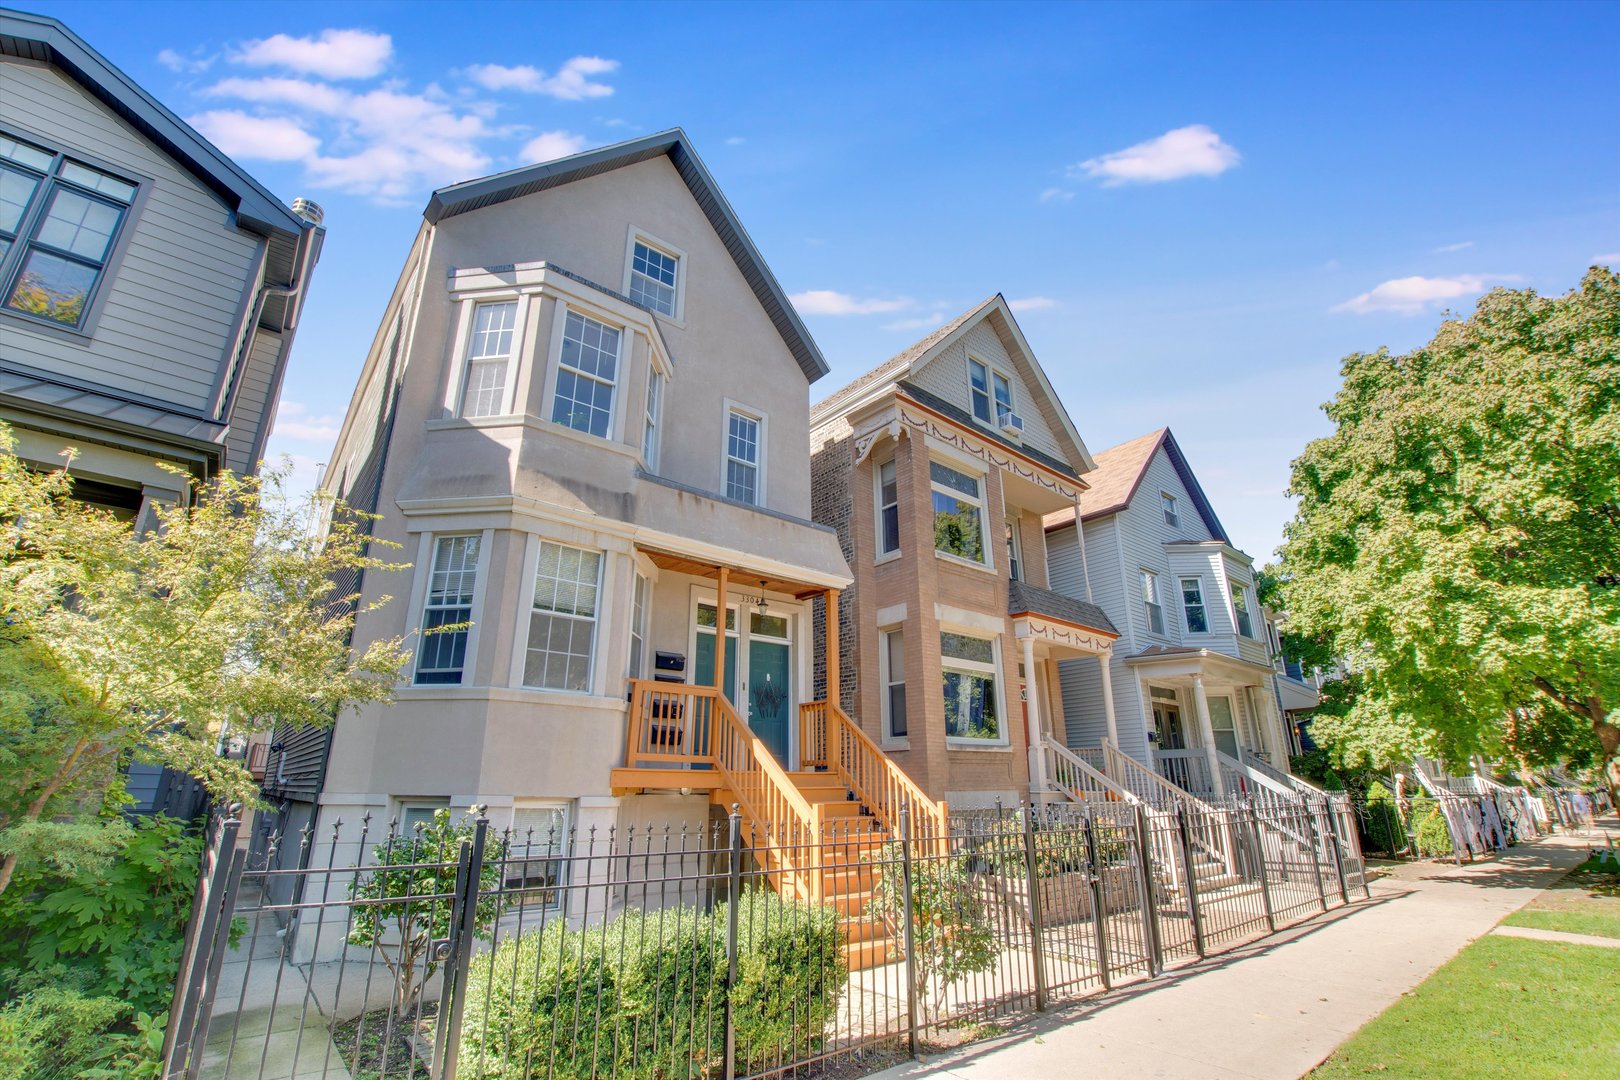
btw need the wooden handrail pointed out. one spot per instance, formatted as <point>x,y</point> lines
<point>770,802</point>
<point>670,723</point>
<point>1076,778</point>
<point>881,785</point>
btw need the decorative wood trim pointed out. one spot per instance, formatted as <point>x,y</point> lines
<point>946,431</point>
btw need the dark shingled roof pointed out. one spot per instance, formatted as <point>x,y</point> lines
<point>1022,597</point>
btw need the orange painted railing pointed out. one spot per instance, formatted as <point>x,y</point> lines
<point>671,723</point>
<point>829,738</point>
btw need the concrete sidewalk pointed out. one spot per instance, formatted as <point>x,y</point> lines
<point>1277,1007</point>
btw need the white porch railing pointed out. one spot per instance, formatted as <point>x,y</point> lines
<point>1187,769</point>
<point>1077,778</point>
<point>1166,797</point>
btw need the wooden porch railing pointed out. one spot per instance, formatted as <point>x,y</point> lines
<point>671,723</point>
<point>829,738</point>
<point>1077,778</point>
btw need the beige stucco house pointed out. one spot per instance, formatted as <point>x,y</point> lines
<point>938,468</point>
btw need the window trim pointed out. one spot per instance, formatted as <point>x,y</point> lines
<point>978,667</point>
<point>635,235</point>
<point>981,502</point>
<point>1015,549</point>
<point>418,802</point>
<point>639,583</point>
<point>565,307</point>
<point>652,425</point>
<point>561,857</point>
<point>885,554</point>
<point>1240,602</point>
<point>991,372</point>
<point>11,264</point>
<point>527,610</point>
<point>1169,507</point>
<point>1202,605</point>
<point>1146,577</point>
<point>464,366</point>
<point>422,589</point>
<point>760,417</point>
<point>886,684</point>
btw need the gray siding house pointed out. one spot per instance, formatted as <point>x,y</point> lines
<point>149,292</point>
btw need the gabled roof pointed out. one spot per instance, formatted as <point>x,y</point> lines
<point>896,372</point>
<point>47,40</point>
<point>1119,473</point>
<point>675,145</point>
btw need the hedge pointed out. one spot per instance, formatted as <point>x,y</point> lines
<point>644,995</point>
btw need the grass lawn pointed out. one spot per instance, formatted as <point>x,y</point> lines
<point>1503,1007</point>
<point>1600,924</point>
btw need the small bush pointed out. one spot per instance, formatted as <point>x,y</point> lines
<point>1382,829</point>
<point>644,995</point>
<point>1433,836</point>
<point>52,1033</point>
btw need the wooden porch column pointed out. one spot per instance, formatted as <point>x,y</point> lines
<point>720,627</point>
<point>1104,665</point>
<point>1206,731</point>
<point>834,690</point>
<point>1032,709</point>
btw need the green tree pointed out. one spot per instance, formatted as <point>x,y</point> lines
<point>1457,537</point>
<point>115,646</point>
<point>949,917</point>
<point>404,899</point>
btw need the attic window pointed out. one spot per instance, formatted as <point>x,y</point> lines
<point>653,274</point>
<point>1171,517</point>
<point>991,391</point>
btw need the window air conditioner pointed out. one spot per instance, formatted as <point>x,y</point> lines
<point>1011,423</point>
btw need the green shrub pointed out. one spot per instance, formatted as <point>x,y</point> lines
<point>1382,829</point>
<point>1433,837</point>
<point>1059,848</point>
<point>109,928</point>
<point>645,994</point>
<point>52,1033</point>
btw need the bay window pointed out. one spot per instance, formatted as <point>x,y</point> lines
<point>451,581</point>
<point>969,669</point>
<point>562,619</point>
<point>587,375</point>
<point>958,513</point>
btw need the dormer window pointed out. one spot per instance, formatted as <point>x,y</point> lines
<point>1171,517</point>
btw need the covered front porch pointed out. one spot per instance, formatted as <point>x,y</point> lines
<point>1207,714</point>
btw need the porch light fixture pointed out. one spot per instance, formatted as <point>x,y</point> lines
<point>764,608</point>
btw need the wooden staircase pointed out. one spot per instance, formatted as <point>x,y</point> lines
<point>812,832</point>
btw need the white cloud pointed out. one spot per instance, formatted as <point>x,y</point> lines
<point>549,145</point>
<point>827,302</point>
<point>1056,194</point>
<point>573,81</point>
<point>334,54</point>
<point>293,421</point>
<point>1416,294</point>
<point>1612,259</point>
<point>1194,150</point>
<point>383,143</point>
<point>1447,249</point>
<point>194,64</point>
<point>735,140</point>
<point>261,138</point>
<point>1032,303</point>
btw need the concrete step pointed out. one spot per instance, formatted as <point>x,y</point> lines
<point>864,955</point>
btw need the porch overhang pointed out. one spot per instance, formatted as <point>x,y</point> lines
<point>1179,665</point>
<point>1297,696</point>
<point>1063,623</point>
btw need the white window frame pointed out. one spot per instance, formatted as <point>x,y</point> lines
<point>521,843</point>
<point>429,559</point>
<point>1015,550</point>
<point>404,808</point>
<point>877,499</point>
<point>553,380</point>
<point>642,236</point>
<point>1202,605</point>
<point>760,418</point>
<point>992,372</point>
<point>978,667</point>
<point>888,679</point>
<point>1154,607</point>
<point>1169,505</point>
<point>652,424</point>
<point>985,543</point>
<point>1240,603</point>
<point>465,368</point>
<point>595,620</point>
<point>640,598</point>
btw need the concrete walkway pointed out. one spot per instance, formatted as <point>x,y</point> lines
<point>1562,936</point>
<point>1276,1008</point>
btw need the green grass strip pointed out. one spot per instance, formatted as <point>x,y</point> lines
<point>1503,1007</point>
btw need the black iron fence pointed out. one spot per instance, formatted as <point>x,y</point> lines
<point>465,952</point>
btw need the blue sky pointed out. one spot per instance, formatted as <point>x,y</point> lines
<point>1198,209</point>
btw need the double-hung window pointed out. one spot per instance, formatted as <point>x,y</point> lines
<point>59,220</point>
<point>652,278</point>
<point>893,660</point>
<point>1015,552</point>
<point>638,625</point>
<point>958,513</point>
<point>1240,609</point>
<point>1167,502</point>
<point>587,375</point>
<point>742,456</point>
<point>536,850</point>
<point>969,665</point>
<point>1192,602</point>
<point>1001,386</point>
<point>449,602</point>
<point>655,405</point>
<point>1150,601</point>
<point>888,501</point>
<point>489,359</point>
<point>562,620</point>
<point>990,390</point>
